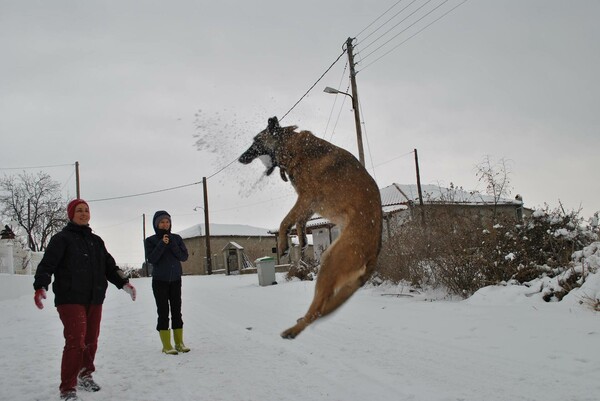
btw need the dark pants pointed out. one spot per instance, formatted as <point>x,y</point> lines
<point>168,294</point>
<point>81,330</point>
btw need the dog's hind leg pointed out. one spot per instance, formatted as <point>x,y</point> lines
<point>341,274</point>
<point>344,292</point>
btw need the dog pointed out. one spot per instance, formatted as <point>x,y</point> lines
<point>329,181</point>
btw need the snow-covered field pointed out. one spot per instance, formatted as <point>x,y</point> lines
<point>499,345</point>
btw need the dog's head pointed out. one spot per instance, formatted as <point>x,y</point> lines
<point>264,146</point>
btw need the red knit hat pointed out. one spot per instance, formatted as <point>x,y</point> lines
<point>72,205</point>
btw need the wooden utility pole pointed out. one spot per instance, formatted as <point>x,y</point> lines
<point>207,228</point>
<point>78,192</point>
<point>419,187</point>
<point>30,227</point>
<point>354,97</point>
<point>144,244</point>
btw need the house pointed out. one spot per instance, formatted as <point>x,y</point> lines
<point>233,247</point>
<point>401,203</point>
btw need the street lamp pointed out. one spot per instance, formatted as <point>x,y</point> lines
<point>361,154</point>
<point>334,91</point>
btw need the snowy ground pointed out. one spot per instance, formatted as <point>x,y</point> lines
<point>498,345</point>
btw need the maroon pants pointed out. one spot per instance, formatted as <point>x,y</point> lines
<point>81,330</point>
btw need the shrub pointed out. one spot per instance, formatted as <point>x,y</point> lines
<point>305,270</point>
<point>464,254</point>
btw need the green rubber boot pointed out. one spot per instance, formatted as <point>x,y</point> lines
<point>165,338</point>
<point>179,345</point>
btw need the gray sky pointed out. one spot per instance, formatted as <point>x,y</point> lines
<point>127,89</point>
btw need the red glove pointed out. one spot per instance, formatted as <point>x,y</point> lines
<point>38,296</point>
<point>128,288</point>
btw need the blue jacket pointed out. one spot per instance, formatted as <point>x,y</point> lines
<point>165,258</point>
<point>81,266</point>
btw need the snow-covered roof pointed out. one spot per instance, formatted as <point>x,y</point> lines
<point>217,230</point>
<point>397,197</point>
<point>295,241</point>
<point>397,194</point>
<point>232,245</point>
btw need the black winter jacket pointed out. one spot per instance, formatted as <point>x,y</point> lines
<point>81,266</point>
<point>166,258</point>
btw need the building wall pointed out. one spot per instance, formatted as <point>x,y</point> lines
<point>254,248</point>
<point>484,213</point>
<point>323,236</point>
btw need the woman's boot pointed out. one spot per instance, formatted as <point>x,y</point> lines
<point>179,345</point>
<point>165,338</point>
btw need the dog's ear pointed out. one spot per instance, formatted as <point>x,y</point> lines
<point>273,125</point>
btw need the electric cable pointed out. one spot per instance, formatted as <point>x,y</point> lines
<point>382,25</point>
<point>404,30</point>
<point>376,19</point>
<point>313,85</point>
<point>334,102</point>
<point>36,167</point>
<point>145,193</point>
<point>413,35</point>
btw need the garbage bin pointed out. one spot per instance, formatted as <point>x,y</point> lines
<point>265,268</point>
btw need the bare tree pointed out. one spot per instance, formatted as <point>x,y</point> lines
<point>496,178</point>
<point>35,203</point>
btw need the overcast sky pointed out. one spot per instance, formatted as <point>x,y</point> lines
<point>153,95</point>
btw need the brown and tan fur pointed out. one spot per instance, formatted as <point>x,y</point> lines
<point>331,182</point>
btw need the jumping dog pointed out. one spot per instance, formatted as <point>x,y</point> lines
<point>329,181</point>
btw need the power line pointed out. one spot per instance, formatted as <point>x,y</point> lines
<point>252,204</point>
<point>412,36</point>
<point>382,25</point>
<point>35,167</point>
<point>145,193</point>
<point>367,139</point>
<point>313,85</point>
<point>394,158</point>
<point>333,105</point>
<point>118,224</point>
<point>404,30</point>
<point>376,19</point>
<point>68,180</point>
<point>337,120</point>
<point>223,168</point>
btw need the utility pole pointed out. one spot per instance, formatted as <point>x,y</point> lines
<point>30,227</point>
<point>207,228</point>
<point>144,244</point>
<point>354,97</point>
<point>77,180</point>
<point>419,187</point>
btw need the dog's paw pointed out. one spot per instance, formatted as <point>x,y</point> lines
<point>289,334</point>
<point>284,251</point>
<point>293,331</point>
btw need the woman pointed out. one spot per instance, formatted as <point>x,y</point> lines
<point>82,267</point>
<point>165,251</point>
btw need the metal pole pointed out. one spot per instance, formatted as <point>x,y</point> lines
<point>207,228</point>
<point>354,97</point>
<point>29,226</point>
<point>77,180</point>
<point>419,187</point>
<point>144,243</point>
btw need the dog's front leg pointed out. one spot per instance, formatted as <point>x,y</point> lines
<point>301,212</point>
<point>282,241</point>
<point>302,239</point>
